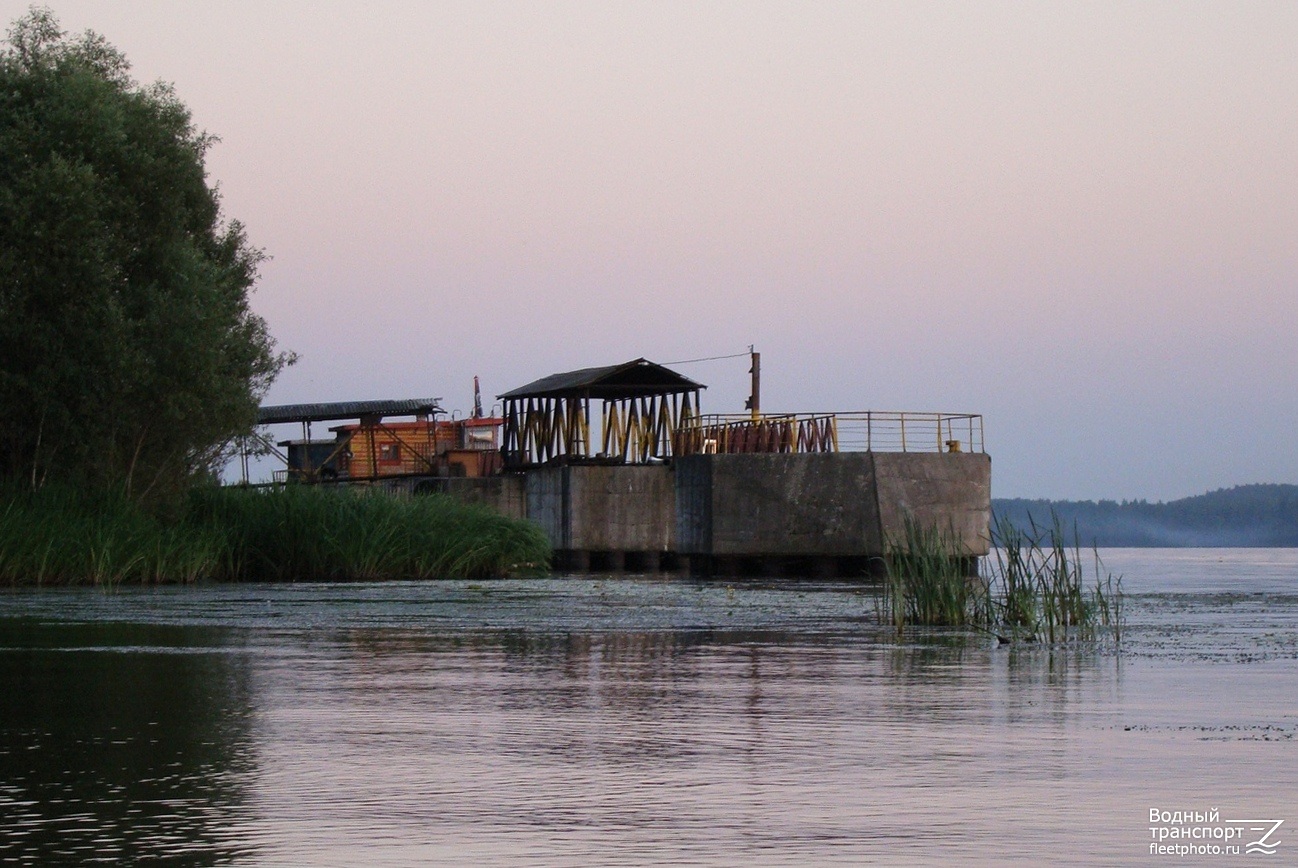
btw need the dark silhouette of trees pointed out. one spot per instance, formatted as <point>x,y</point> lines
<point>128,353</point>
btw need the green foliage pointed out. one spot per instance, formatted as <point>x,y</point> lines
<point>1037,590</point>
<point>65,535</point>
<point>308,533</point>
<point>1033,590</point>
<point>128,354</point>
<point>927,583</point>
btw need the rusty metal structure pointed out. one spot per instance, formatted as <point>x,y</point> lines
<point>635,409</point>
<point>377,445</point>
<point>733,434</point>
<point>314,460</point>
<point>425,447</point>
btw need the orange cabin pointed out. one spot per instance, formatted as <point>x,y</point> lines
<point>455,447</point>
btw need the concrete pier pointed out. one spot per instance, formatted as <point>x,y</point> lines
<point>746,514</point>
<point>622,471</point>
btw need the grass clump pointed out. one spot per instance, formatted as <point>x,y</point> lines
<point>927,583</point>
<point>1038,588</point>
<point>1033,590</point>
<point>61,536</point>
<point>317,533</point>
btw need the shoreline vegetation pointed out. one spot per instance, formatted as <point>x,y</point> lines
<point>131,360</point>
<point>65,536</point>
<point>1032,588</point>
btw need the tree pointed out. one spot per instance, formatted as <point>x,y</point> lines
<point>128,353</point>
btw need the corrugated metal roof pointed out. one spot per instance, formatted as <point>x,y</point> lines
<point>346,410</point>
<point>627,380</point>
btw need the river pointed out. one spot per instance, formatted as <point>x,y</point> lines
<point>629,720</point>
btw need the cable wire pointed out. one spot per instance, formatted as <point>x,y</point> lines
<point>708,359</point>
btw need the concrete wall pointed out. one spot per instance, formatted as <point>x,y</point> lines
<point>848,504</point>
<point>547,500</point>
<point>777,504</point>
<point>844,504</point>
<point>604,508</point>
<point>949,492</point>
<point>505,494</point>
<point>693,504</point>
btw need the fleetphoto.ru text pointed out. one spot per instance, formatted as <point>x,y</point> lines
<point>1205,833</point>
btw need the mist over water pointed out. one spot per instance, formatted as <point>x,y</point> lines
<point>632,720</point>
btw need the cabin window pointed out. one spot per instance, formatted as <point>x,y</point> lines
<point>390,452</point>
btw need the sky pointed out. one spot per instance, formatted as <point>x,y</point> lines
<point>1079,220</point>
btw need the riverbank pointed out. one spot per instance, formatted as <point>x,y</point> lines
<point>61,536</point>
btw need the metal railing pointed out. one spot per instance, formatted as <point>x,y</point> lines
<point>864,431</point>
<point>892,431</point>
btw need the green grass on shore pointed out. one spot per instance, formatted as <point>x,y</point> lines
<point>62,536</point>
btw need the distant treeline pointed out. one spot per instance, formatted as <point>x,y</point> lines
<point>1246,515</point>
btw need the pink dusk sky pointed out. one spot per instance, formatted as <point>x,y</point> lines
<point>1080,220</point>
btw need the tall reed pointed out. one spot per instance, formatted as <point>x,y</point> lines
<point>61,535</point>
<point>307,533</point>
<point>1031,590</point>
<point>1039,586</point>
<point>926,582</point>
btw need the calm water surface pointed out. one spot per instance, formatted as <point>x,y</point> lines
<point>636,720</point>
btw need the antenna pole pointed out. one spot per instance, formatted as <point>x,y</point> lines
<point>754,401</point>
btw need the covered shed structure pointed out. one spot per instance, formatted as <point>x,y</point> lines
<point>641,405</point>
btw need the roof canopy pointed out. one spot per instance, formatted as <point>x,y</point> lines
<point>628,380</point>
<point>346,410</point>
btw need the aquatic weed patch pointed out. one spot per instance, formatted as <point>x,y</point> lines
<point>1034,588</point>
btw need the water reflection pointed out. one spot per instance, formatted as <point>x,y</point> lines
<point>717,680</point>
<point>110,749</point>
<point>657,745</point>
<point>614,722</point>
